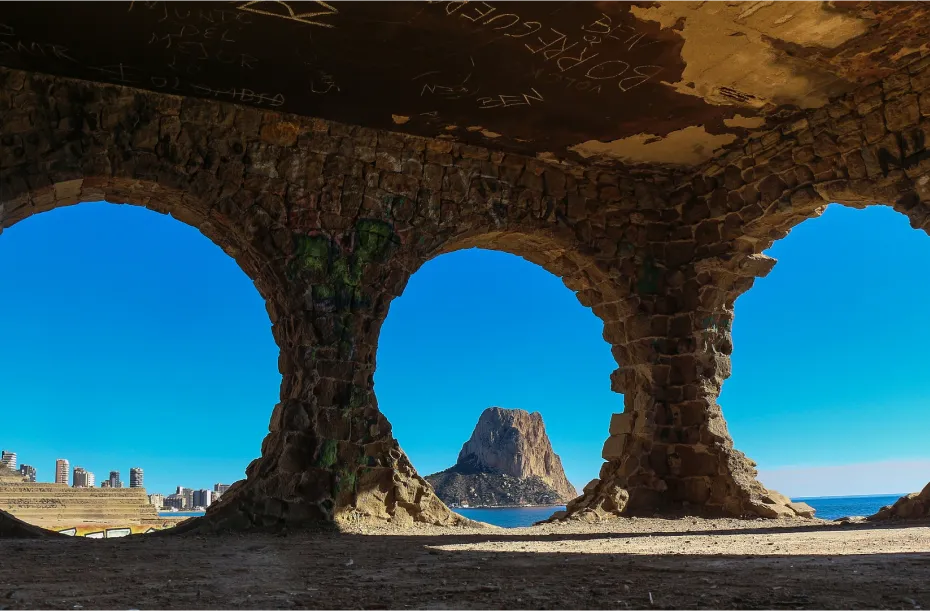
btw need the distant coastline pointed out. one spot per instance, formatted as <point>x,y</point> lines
<point>454,507</point>
<point>849,496</point>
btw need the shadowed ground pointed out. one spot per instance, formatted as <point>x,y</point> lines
<point>683,563</point>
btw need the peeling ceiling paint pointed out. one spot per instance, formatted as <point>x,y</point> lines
<point>688,146</point>
<point>741,121</point>
<point>730,58</point>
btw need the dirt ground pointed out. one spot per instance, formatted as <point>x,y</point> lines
<point>629,563</point>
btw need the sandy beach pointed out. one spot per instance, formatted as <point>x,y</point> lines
<point>627,563</point>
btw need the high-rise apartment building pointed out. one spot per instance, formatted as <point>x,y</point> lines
<point>105,483</point>
<point>220,488</point>
<point>135,478</point>
<point>61,471</point>
<point>79,478</point>
<point>91,480</point>
<point>202,498</point>
<point>156,500</point>
<point>28,472</point>
<point>178,501</point>
<point>114,480</point>
<point>8,459</point>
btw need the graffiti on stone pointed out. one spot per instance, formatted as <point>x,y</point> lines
<point>562,51</point>
<point>316,10</point>
<point>334,272</point>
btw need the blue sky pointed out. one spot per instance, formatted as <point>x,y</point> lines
<point>132,340</point>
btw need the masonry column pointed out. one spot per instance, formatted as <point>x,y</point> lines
<point>329,454</point>
<point>670,451</point>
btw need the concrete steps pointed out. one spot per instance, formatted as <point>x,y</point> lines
<point>57,505</point>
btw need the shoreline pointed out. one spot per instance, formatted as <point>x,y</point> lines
<point>453,507</point>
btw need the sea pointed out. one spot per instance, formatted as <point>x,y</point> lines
<point>828,508</point>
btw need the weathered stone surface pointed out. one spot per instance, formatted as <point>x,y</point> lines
<point>457,489</point>
<point>914,506</point>
<point>507,461</point>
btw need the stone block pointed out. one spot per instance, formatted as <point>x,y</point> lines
<point>924,104</point>
<point>902,112</point>
<point>621,424</point>
<point>613,447</point>
<point>802,509</point>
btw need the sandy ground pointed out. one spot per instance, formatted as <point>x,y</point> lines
<point>629,563</point>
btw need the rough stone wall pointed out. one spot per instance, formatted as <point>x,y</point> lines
<point>671,443</point>
<point>331,220</point>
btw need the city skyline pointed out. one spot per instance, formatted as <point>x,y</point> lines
<point>86,476</point>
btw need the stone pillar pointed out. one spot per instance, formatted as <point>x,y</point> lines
<point>329,453</point>
<point>670,451</point>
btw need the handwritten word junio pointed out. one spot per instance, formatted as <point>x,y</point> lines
<point>212,15</point>
<point>564,53</point>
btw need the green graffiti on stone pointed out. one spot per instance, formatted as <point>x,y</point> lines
<point>313,253</point>
<point>328,453</point>
<point>347,479</point>
<point>375,241</point>
<point>336,274</point>
<point>648,278</point>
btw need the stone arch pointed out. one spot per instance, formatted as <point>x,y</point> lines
<point>335,218</point>
<point>869,146</point>
<point>812,303</point>
<point>152,196</point>
<point>556,252</point>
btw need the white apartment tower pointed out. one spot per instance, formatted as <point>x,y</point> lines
<point>8,459</point>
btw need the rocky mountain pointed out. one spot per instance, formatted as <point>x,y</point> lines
<point>507,461</point>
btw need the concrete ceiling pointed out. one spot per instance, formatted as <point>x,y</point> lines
<point>596,82</point>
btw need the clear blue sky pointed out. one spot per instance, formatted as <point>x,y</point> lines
<point>132,340</point>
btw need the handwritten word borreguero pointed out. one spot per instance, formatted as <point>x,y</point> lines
<point>566,52</point>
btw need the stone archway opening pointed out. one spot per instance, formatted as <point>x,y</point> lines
<point>476,329</point>
<point>138,343</point>
<point>826,347</point>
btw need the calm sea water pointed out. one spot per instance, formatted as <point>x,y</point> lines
<point>833,507</point>
<point>510,517</point>
<point>828,508</point>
